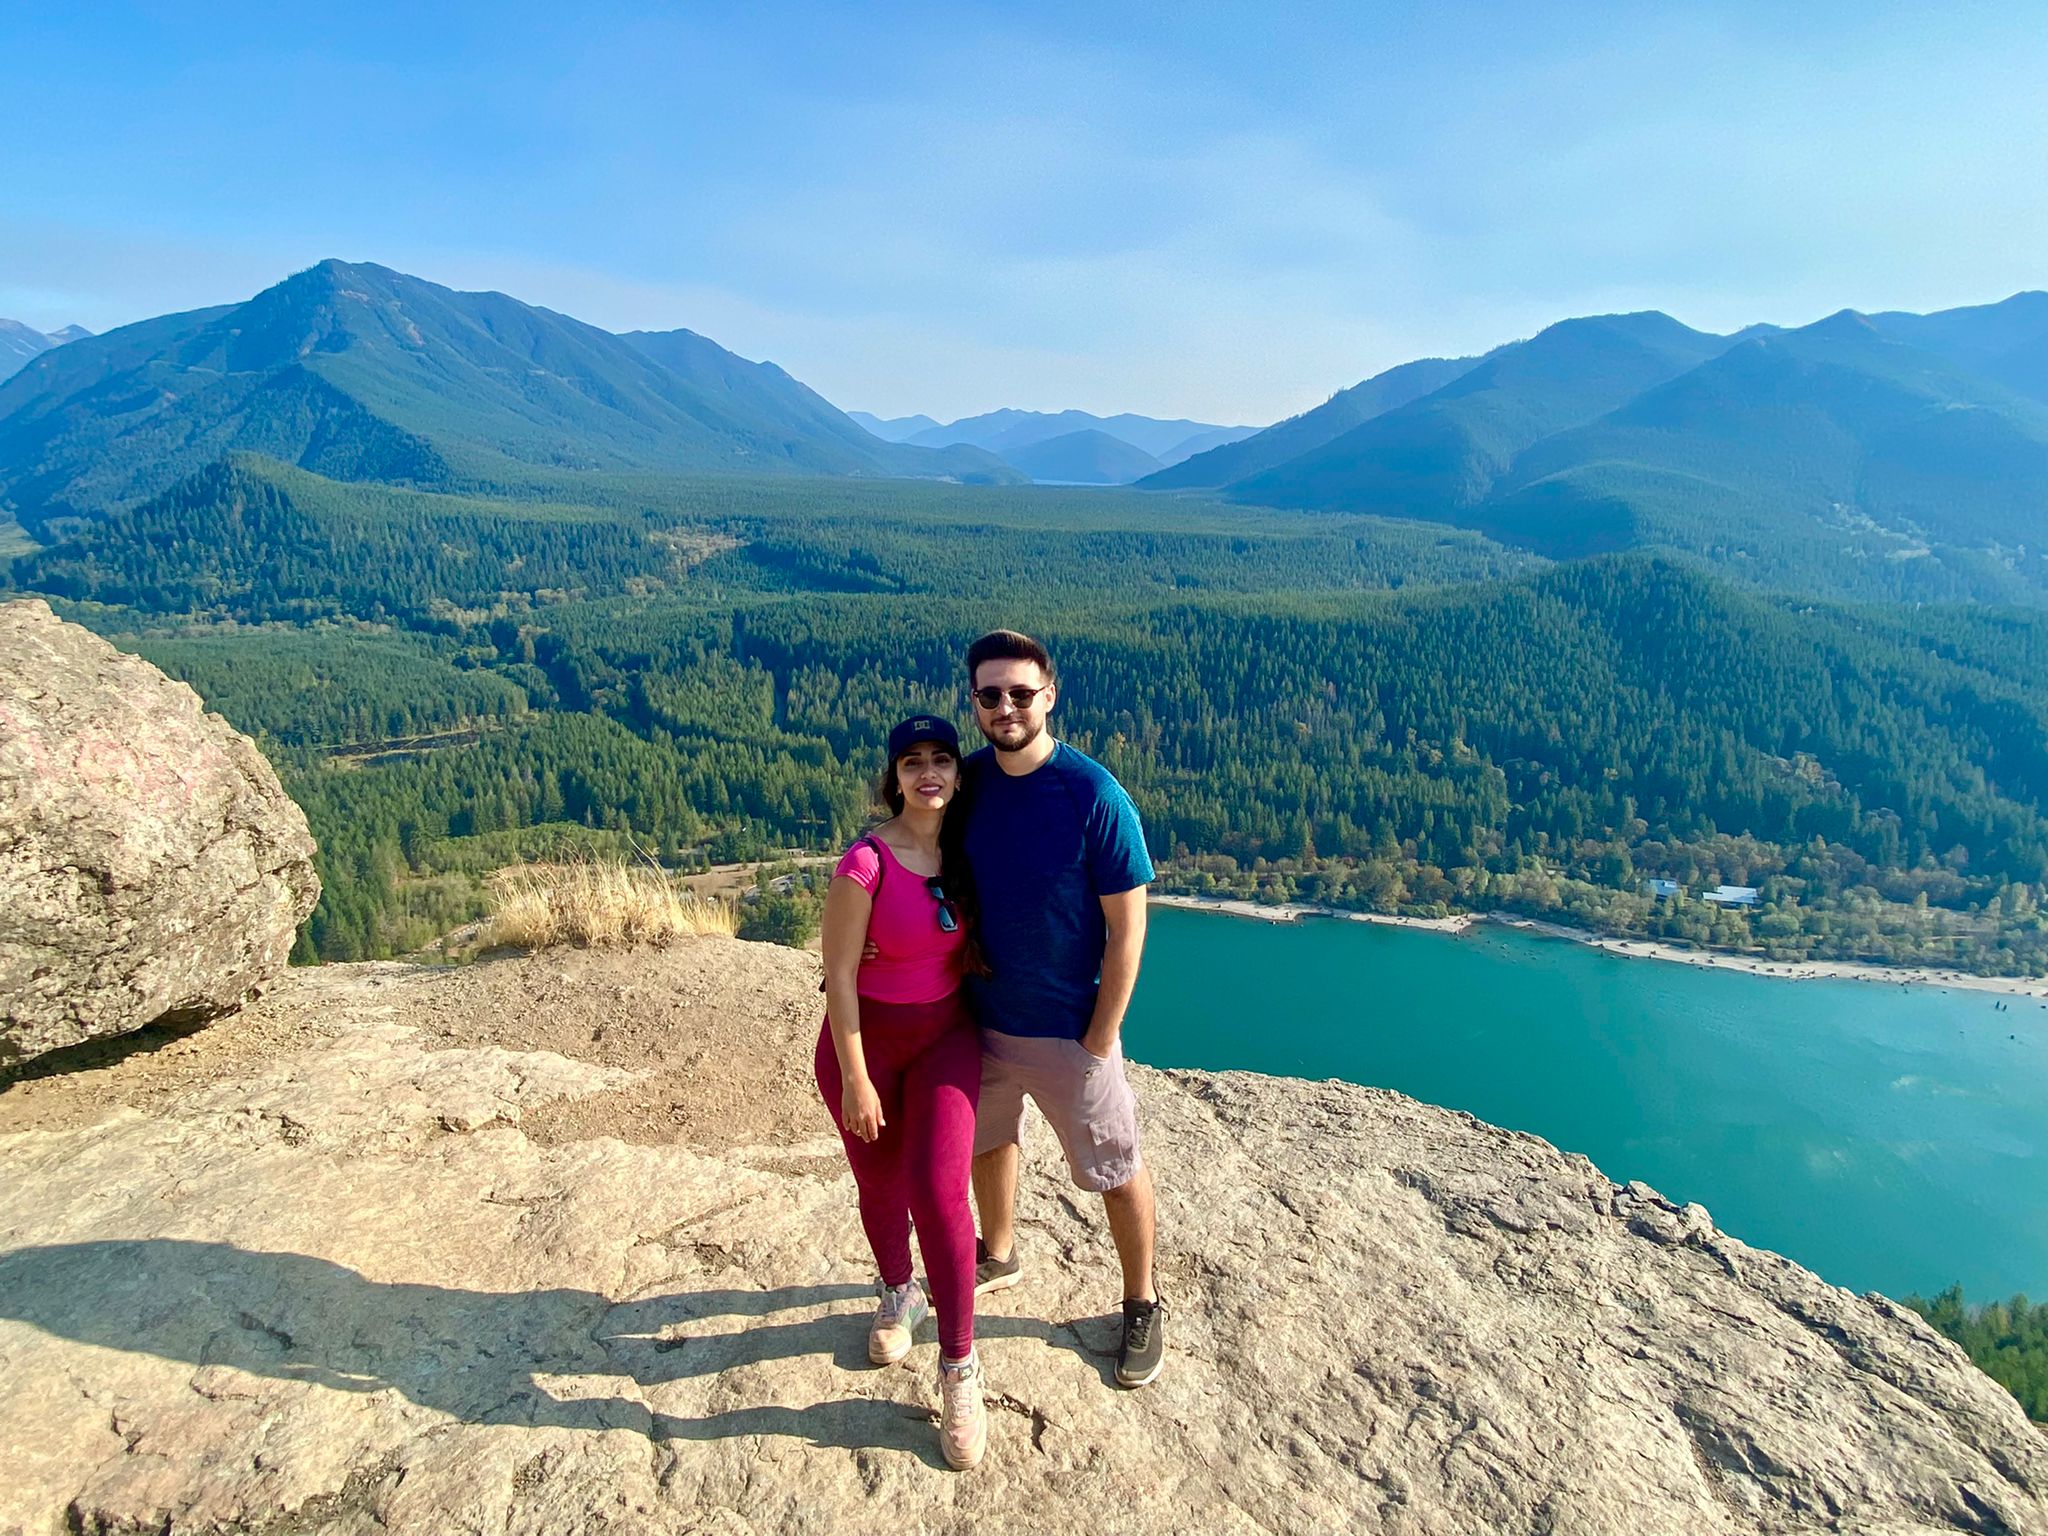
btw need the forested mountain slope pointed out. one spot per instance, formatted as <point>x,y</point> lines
<point>252,540</point>
<point>362,373</point>
<point>1890,457</point>
<point>1486,746</point>
<point>1445,450</point>
<point>1231,462</point>
<point>1082,458</point>
<point>816,435</point>
<point>715,671</point>
<point>1833,426</point>
<point>2006,342</point>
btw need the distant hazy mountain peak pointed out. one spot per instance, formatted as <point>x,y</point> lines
<point>335,275</point>
<point>2027,304</point>
<point>1845,322</point>
<point>1089,456</point>
<point>894,429</point>
<point>1008,431</point>
<point>1644,328</point>
<point>20,344</point>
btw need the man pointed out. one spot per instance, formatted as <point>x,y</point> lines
<point>1060,869</point>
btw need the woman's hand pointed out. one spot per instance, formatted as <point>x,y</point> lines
<point>860,1108</point>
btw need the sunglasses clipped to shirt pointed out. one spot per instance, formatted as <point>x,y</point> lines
<point>949,915</point>
<point>1020,696</point>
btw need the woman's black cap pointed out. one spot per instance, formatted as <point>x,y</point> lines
<point>923,728</point>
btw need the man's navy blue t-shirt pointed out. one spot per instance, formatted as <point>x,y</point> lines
<point>1046,846</point>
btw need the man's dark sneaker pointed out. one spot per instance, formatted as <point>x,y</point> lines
<point>994,1274</point>
<point>1144,1346</point>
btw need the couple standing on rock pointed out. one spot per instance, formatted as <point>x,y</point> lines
<point>1020,871</point>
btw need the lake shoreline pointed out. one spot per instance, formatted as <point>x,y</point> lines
<point>1634,949</point>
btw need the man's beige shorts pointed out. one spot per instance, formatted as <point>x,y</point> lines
<point>1085,1097</point>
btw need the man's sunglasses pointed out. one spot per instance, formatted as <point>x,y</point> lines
<point>949,917</point>
<point>1020,696</point>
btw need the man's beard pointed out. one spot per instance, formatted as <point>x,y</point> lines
<point>1032,731</point>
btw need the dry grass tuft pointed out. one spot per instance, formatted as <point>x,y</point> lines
<point>596,902</point>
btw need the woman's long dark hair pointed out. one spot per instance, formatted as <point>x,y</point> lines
<point>956,870</point>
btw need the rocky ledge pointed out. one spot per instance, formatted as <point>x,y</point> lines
<point>562,1244</point>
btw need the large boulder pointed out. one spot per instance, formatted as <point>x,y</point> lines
<point>152,869</point>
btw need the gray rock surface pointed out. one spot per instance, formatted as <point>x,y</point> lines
<point>151,868</point>
<point>340,1271</point>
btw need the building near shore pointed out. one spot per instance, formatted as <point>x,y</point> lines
<point>1731,896</point>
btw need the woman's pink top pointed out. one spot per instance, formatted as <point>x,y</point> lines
<point>919,962</point>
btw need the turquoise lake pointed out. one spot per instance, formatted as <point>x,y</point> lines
<point>1889,1138</point>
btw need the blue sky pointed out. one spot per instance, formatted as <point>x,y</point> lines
<point>1219,212</point>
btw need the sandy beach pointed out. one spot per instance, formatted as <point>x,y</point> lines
<point>1788,970</point>
<point>1638,949</point>
<point>1294,911</point>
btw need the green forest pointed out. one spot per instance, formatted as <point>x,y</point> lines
<point>2008,1340</point>
<point>1352,711</point>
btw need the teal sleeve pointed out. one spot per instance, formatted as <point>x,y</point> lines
<point>1117,860</point>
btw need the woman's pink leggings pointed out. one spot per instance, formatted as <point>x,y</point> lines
<point>925,1062</point>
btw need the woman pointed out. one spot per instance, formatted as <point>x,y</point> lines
<point>899,1065</point>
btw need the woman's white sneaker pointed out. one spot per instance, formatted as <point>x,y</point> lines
<point>963,1417</point>
<point>897,1315</point>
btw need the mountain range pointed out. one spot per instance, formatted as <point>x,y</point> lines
<point>357,372</point>
<point>1888,454</point>
<point>1040,438</point>
<point>19,343</point>
<point>1892,438</point>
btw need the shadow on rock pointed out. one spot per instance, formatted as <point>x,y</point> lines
<point>478,1356</point>
<point>108,1051</point>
